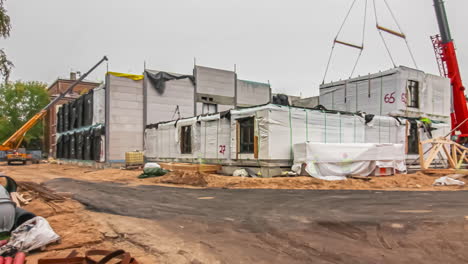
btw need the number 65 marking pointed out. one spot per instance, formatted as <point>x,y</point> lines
<point>389,98</point>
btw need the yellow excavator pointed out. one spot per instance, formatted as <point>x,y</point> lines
<point>13,143</point>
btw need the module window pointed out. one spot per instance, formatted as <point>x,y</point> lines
<point>413,94</point>
<point>246,135</point>
<point>186,140</point>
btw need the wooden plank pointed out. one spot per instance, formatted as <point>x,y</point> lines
<point>464,157</point>
<point>206,168</point>
<point>421,156</point>
<point>256,147</point>
<point>452,163</point>
<point>434,150</point>
<point>454,153</point>
<point>444,171</point>
<point>460,162</point>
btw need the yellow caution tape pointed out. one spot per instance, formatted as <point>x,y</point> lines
<point>134,77</point>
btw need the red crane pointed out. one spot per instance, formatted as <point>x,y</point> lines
<point>448,65</point>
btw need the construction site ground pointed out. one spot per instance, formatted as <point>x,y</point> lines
<point>188,217</point>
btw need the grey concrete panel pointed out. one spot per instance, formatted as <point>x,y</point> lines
<point>161,107</point>
<point>252,93</point>
<point>125,117</point>
<point>215,81</point>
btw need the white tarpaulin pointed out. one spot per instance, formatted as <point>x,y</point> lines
<point>99,104</point>
<point>32,234</point>
<point>276,129</point>
<point>341,160</point>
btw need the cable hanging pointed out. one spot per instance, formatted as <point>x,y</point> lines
<point>336,41</point>
<point>398,33</point>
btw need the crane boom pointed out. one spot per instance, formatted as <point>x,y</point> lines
<point>14,141</point>
<point>445,52</point>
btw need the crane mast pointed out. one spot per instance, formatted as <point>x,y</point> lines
<point>448,65</point>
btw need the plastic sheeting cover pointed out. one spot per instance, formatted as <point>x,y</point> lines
<point>72,153</point>
<point>72,115</point>
<point>79,112</point>
<point>79,145</point>
<point>134,77</point>
<point>278,128</point>
<point>7,211</point>
<point>158,80</point>
<point>87,141</point>
<point>88,109</point>
<point>348,159</point>
<point>66,118</point>
<point>99,102</point>
<point>32,234</point>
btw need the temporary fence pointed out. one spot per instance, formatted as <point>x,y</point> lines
<point>275,130</point>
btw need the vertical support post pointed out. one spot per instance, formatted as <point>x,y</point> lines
<point>421,156</point>
<point>107,116</point>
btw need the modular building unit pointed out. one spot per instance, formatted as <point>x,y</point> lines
<point>263,136</point>
<point>401,91</point>
<point>119,110</point>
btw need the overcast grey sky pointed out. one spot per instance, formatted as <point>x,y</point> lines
<point>285,42</point>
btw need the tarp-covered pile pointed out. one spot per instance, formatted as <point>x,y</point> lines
<point>336,161</point>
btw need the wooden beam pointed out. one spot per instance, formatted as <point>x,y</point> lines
<point>421,156</point>
<point>349,44</point>
<point>435,149</point>
<point>392,32</point>
<point>452,163</point>
<point>460,162</point>
<point>256,147</point>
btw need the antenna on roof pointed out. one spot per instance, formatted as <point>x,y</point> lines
<point>235,68</point>
<point>194,61</point>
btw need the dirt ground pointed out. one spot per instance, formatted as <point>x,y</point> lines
<point>80,230</point>
<point>155,241</point>
<point>402,182</point>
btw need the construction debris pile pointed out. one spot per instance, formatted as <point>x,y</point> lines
<point>21,230</point>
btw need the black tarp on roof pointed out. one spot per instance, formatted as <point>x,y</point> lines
<point>158,80</point>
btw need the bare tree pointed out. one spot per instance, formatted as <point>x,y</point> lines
<point>5,27</point>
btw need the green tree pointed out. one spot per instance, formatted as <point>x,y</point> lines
<point>19,102</point>
<point>5,27</point>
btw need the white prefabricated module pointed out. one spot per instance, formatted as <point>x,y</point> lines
<point>263,136</point>
<point>401,91</point>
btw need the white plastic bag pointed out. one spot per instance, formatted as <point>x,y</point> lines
<point>443,181</point>
<point>240,173</point>
<point>32,234</point>
<point>151,165</point>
